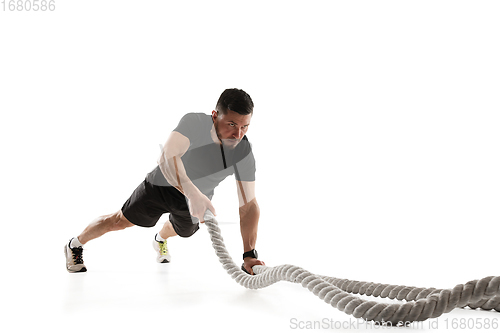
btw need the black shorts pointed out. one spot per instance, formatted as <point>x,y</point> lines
<point>149,202</point>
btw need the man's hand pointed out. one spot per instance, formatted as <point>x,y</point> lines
<point>198,205</point>
<point>250,262</point>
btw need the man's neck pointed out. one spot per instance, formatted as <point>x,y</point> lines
<point>214,136</point>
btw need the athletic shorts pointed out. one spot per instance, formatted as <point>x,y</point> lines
<point>149,202</point>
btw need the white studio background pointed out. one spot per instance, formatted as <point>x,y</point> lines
<point>375,132</point>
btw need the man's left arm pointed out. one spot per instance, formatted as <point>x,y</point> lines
<point>249,220</point>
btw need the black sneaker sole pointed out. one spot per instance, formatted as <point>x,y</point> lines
<point>84,269</point>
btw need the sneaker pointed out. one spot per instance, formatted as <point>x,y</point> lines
<point>162,251</point>
<point>74,259</point>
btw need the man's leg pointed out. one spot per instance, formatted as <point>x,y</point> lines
<point>103,224</point>
<point>167,231</point>
<point>184,227</point>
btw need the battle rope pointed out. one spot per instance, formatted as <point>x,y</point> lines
<point>423,303</point>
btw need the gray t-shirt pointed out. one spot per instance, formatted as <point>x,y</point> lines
<point>205,162</point>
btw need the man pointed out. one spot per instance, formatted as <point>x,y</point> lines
<point>201,152</point>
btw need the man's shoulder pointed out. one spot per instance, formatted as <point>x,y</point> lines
<point>196,117</point>
<point>194,125</point>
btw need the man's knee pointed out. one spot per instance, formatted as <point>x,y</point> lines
<point>187,230</point>
<point>118,221</point>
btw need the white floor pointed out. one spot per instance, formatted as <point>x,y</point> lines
<point>125,290</point>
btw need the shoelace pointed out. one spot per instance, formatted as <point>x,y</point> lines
<point>163,248</point>
<point>77,255</point>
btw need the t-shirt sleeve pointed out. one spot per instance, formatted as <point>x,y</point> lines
<point>190,126</point>
<point>245,168</point>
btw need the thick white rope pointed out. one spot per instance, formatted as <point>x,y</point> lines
<point>423,303</point>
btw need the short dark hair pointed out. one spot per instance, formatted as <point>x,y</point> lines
<point>235,100</point>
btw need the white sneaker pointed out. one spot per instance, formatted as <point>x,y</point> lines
<point>163,255</point>
<point>74,259</point>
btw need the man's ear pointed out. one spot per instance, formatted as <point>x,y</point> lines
<point>214,115</point>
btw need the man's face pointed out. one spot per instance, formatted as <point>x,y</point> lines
<point>231,127</point>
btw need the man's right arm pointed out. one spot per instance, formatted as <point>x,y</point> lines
<point>173,170</point>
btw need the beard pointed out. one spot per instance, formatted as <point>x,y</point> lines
<point>230,143</point>
<point>227,143</point>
